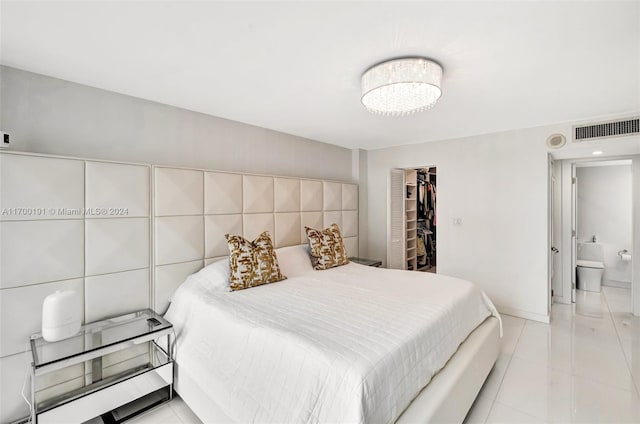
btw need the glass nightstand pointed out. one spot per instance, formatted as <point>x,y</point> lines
<point>367,262</point>
<point>125,358</point>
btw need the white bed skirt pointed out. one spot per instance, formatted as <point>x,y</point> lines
<point>446,399</point>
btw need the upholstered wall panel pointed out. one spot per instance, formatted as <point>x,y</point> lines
<point>223,193</point>
<point>351,245</point>
<point>168,278</point>
<point>179,239</point>
<point>209,261</point>
<point>116,244</point>
<point>34,187</point>
<point>312,220</point>
<point>26,303</point>
<point>118,186</point>
<point>13,370</point>
<point>349,223</point>
<point>115,294</point>
<point>97,210</point>
<point>349,197</point>
<point>178,192</point>
<point>310,195</point>
<point>254,224</point>
<point>41,251</point>
<point>287,229</point>
<point>333,217</point>
<point>215,229</point>
<point>257,194</point>
<point>287,195</point>
<point>332,194</point>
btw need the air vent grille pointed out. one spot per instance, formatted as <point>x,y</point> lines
<point>607,129</point>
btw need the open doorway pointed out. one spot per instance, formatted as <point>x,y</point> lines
<point>599,208</point>
<point>603,205</point>
<point>413,219</point>
<point>426,229</point>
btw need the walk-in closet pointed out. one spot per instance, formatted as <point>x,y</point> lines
<point>412,219</point>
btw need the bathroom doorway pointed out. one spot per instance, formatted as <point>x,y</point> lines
<point>604,227</point>
<point>575,227</point>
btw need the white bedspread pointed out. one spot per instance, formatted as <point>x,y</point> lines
<point>351,344</point>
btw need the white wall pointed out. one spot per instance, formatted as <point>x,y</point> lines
<point>497,184</point>
<point>52,116</point>
<point>604,210</point>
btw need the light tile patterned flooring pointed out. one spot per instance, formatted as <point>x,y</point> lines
<point>584,367</point>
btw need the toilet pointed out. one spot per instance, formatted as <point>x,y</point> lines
<point>590,266</point>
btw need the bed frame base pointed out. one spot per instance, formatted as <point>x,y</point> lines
<point>451,392</point>
<point>446,399</point>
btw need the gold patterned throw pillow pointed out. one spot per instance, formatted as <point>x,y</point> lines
<point>252,263</point>
<point>327,247</point>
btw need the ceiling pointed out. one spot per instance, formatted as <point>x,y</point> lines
<point>296,67</point>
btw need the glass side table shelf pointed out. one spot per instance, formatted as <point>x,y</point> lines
<point>128,368</point>
<point>368,262</point>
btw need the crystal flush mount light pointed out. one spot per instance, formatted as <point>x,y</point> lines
<point>401,87</point>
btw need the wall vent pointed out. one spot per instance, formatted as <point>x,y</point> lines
<point>606,129</point>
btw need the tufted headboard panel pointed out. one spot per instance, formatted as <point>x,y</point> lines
<point>194,209</point>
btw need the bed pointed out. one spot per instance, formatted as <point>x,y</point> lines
<point>349,344</point>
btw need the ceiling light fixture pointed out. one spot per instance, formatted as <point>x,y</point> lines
<point>401,87</point>
<point>597,152</point>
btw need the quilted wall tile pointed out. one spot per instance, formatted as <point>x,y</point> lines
<point>287,229</point>
<point>178,192</point>
<point>21,312</point>
<point>179,239</point>
<point>255,224</point>
<point>35,187</point>
<point>351,246</point>
<point>349,223</point>
<point>57,246</point>
<point>349,197</point>
<point>117,244</point>
<point>332,217</point>
<point>120,186</point>
<point>168,278</point>
<point>209,261</point>
<point>310,219</point>
<point>257,194</point>
<point>287,194</point>
<point>310,195</point>
<point>115,294</point>
<point>215,227</point>
<point>332,194</point>
<point>13,369</point>
<point>223,193</point>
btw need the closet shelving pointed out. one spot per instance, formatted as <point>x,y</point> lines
<point>411,216</point>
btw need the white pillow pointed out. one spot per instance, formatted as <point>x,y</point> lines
<point>294,260</point>
<point>214,277</point>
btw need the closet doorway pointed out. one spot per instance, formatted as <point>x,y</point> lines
<point>412,219</point>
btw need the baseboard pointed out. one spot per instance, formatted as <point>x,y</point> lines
<point>523,314</point>
<point>616,283</point>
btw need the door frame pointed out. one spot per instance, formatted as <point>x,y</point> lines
<point>568,207</point>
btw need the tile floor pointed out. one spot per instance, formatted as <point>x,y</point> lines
<point>584,367</point>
